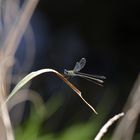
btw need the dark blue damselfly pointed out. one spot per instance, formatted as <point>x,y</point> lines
<point>80,65</point>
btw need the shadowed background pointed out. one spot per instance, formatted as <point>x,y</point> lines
<point>106,34</point>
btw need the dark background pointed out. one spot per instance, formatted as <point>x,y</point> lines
<point>106,33</point>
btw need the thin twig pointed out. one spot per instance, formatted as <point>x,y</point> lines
<point>104,129</point>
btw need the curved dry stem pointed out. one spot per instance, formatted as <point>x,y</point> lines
<point>104,129</point>
<point>20,99</point>
<point>23,96</point>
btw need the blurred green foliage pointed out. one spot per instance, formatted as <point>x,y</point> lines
<point>32,128</point>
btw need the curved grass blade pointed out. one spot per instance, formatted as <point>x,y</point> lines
<point>32,75</point>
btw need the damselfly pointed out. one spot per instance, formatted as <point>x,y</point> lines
<point>80,65</point>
